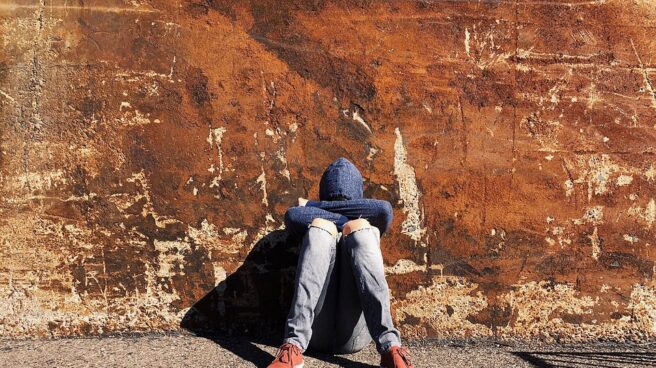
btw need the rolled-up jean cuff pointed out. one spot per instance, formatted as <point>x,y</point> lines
<point>294,342</point>
<point>386,346</point>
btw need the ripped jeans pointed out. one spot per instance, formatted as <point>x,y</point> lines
<point>341,299</point>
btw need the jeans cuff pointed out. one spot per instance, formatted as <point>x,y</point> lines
<point>293,342</point>
<point>384,348</point>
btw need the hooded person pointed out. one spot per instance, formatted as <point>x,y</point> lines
<point>341,299</point>
<point>340,181</point>
<point>341,198</point>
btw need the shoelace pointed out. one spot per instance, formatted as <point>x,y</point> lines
<point>284,353</point>
<point>403,353</point>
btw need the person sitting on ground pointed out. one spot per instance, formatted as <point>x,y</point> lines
<point>341,300</point>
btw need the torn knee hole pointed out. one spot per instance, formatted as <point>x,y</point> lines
<point>355,225</point>
<point>325,225</point>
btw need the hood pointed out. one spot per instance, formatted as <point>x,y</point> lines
<point>341,181</point>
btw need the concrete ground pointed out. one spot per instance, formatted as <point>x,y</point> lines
<point>192,351</point>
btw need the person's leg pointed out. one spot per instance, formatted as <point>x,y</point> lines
<point>315,263</point>
<point>362,242</point>
<point>351,333</point>
<point>325,319</point>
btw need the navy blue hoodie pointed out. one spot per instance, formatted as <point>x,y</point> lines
<point>341,200</point>
<point>341,181</point>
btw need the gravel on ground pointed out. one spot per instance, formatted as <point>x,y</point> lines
<point>220,351</point>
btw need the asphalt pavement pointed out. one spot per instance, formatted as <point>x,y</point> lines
<point>182,350</point>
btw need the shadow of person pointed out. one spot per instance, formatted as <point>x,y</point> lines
<point>250,306</point>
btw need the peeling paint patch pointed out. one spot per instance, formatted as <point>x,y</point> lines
<point>135,118</point>
<point>209,237</point>
<point>171,257</point>
<point>215,138</point>
<point>534,304</point>
<point>372,152</point>
<point>593,215</point>
<point>361,121</point>
<point>408,191</point>
<point>643,300</point>
<point>651,173</point>
<point>599,174</point>
<point>648,214</point>
<point>263,186</point>
<point>220,274</point>
<point>624,180</point>
<point>238,236</point>
<point>596,243</point>
<point>443,306</point>
<point>569,187</point>
<point>630,238</point>
<point>404,266</point>
<point>427,107</point>
<point>280,154</point>
<point>35,181</point>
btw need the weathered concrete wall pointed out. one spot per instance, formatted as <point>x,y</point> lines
<point>149,146</point>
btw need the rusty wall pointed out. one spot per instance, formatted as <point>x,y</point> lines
<point>149,148</point>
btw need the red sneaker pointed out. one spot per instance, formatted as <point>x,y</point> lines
<point>396,357</point>
<point>288,356</point>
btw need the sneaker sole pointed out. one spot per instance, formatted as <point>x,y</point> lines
<point>299,366</point>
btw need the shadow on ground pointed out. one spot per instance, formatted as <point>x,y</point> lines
<point>588,359</point>
<point>251,305</point>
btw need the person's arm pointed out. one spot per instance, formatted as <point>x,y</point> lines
<point>376,211</point>
<point>297,219</point>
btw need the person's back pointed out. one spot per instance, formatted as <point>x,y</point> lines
<point>341,300</point>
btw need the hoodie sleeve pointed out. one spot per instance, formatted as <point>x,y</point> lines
<point>297,219</point>
<point>376,211</point>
